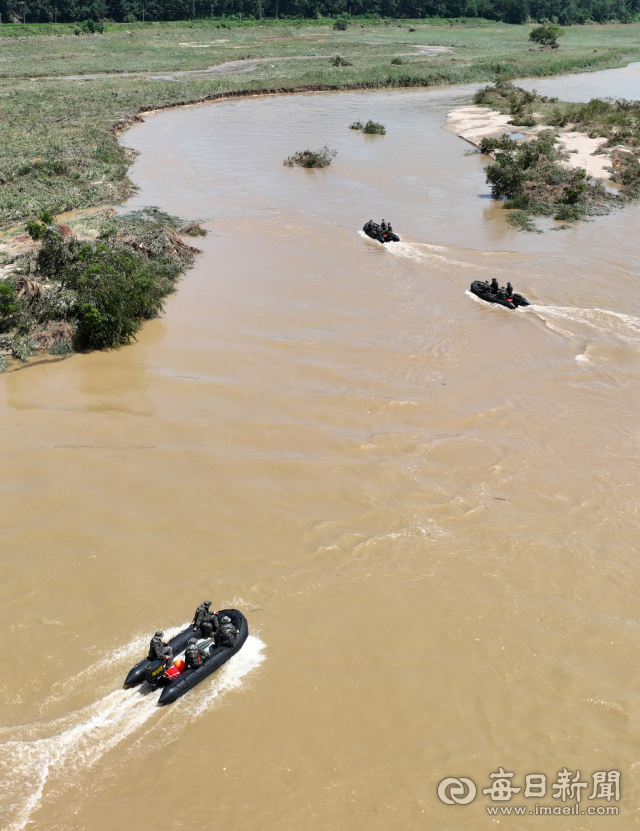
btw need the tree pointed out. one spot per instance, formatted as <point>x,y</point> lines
<point>546,35</point>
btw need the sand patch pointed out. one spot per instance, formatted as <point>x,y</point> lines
<point>475,123</point>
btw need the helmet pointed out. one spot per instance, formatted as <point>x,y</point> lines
<point>226,619</point>
<point>193,640</point>
<point>207,603</point>
<point>159,633</point>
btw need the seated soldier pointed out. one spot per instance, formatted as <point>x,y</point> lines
<point>192,657</point>
<point>205,620</point>
<point>227,633</point>
<point>158,649</point>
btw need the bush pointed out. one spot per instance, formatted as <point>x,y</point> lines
<point>8,305</point>
<point>338,61</point>
<point>130,18</point>
<point>89,27</point>
<point>373,128</point>
<point>94,293</point>
<point>523,121</point>
<point>340,25</point>
<point>546,35</point>
<point>311,158</point>
<point>397,61</point>
<point>357,125</point>
<point>528,175</point>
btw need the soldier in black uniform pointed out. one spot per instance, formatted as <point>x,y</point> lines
<point>205,620</point>
<point>192,656</point>
<point>227,633</point>
<point>158,649</point>
<point>494,286</point>
<point>383,226</point>
<point>509,290</point>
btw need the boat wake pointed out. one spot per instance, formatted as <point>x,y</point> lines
<point>421,252</point>
<point>55,754</point>
<point>572,322</point>
<point>626,327</point>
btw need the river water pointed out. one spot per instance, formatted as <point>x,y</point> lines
<point>427,507</point>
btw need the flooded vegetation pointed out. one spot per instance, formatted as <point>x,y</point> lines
<point>531,173</point>
<point>311,158</point>
<point>91,286</point>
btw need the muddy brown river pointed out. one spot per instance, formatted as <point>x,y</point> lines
<point>427,507</point>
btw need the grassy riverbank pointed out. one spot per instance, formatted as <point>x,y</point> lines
<point>58,144</point>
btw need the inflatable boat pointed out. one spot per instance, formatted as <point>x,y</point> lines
<point>483,291</point>
<point>380,236</point>
<point>177,644</point>
<point>179,681</point>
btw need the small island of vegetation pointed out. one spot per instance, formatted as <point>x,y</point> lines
<point>311,158</point>
<point>534,177</point>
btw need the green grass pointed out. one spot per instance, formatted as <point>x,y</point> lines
<point>58,148</point>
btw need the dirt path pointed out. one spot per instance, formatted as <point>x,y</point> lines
<point>231,67</point>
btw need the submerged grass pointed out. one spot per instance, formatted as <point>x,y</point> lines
<point>58,138</point>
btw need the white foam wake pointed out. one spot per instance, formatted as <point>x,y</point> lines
<point>623,326</point>
<point>57,752</point>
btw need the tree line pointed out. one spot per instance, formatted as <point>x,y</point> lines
<point>565,12</point>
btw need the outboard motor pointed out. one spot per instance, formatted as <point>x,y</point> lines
<point>153,673</point>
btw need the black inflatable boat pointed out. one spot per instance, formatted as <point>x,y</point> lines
<point>177,644</point>
<point>484,292</point>
<point>212,659</point>
<point>381,236</point>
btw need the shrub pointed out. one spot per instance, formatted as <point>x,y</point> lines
<point>357,125</point>
<point>116,290</point>
<point>397,61</point>
<point>8,305</point>
<point>130,18</point>
<point>89,27</point>
<point>373,128</point>
<point>567,212</point>
<point>311,158</point>
<point>338,61</point>
<point>546,35</point>
<point>340,25</point>
<point>528,175</point>
<point>93,294</point>
<point>523,121</point>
